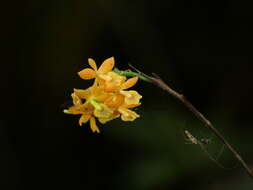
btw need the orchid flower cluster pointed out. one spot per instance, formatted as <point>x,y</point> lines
<point>108,97</point>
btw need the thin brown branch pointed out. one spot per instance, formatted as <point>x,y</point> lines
<point>156,80</point>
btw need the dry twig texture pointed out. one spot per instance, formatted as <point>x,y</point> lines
<point>157,81</point>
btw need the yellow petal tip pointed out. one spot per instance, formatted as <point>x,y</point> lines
<point>87,74</point>
<point>107,65</point>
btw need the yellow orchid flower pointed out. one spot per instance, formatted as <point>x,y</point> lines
<point>125,100</point>
<point>92,92</point>
<point>119,83</point>
<point>121,106</point>
<point>108,97</point>
<point>114,101</point>
<point>96,97</point>
<point>115,115</point>
<point>86,111</point>
<point>114,83</point>
<point>131,96</point>
<point>95,72</point>
<point>103,111</point>
<point>126,113</point>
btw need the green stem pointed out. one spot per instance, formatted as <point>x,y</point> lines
<point>129,73</point>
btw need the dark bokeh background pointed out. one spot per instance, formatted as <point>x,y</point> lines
<point>202,49</point>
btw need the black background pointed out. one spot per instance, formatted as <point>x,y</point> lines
<point>201,48</point>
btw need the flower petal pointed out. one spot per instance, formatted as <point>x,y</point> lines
<point>128,115</point>
<point>129,83</point>
<point>87,74</point>
<point>102,97</point>
<point>111,88</point>
<point>75,110</point>
<point>84,94</point>
<point>115,101</point>
<point>92,63</point>
<point>76,99</point>
<point>84,119</point>
<point>67,111</point>
<point>107,65</point>
<point>104,77</point>
<point>104,112</point>
<point>132,105</point>
<point>131,97</point>
<point>93,125</point>
<point>115,83</point>
<point>113,116</point>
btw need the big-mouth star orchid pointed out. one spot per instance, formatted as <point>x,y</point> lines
<point>108,98</point>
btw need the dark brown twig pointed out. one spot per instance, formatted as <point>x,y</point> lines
<point>156,80</point>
